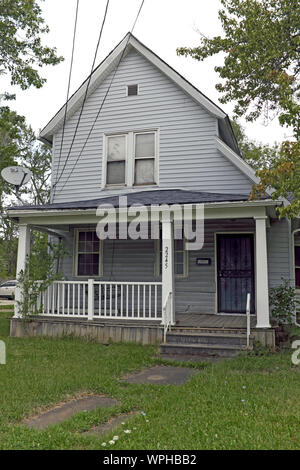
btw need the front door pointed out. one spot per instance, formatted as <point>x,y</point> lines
<point>235,275</point>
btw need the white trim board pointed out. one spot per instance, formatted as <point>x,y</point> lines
<point>237,160</point>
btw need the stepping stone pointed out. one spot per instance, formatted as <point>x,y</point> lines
<point>114,422</point>
<point>161,375</point>
<point>61,413</point>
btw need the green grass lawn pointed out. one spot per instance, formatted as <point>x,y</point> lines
<point>245,403</point>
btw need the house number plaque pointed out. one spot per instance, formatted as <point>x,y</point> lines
<point>166,257</point>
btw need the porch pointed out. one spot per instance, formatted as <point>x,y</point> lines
<point>139,282</point>
<point>121,302</point>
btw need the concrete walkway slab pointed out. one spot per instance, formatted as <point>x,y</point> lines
<point>61,413</point>
<point>161,375</point>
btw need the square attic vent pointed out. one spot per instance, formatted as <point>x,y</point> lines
<point>132,90</point>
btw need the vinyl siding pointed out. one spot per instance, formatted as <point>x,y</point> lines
<point>134,260</point>
<point>188,157</point>
<point>278,252</point>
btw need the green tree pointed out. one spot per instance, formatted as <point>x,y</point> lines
<point>21,50</point>
<point>18,146</point>
<point>259,156</point>
<point>260,74</point>
<point>22,55</point>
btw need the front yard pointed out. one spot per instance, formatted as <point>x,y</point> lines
<point>245,403</point>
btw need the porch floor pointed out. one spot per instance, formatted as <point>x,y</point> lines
<point>199,320</point>
<point>183,320</point>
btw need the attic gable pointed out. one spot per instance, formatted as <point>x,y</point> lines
<point>107,66</point>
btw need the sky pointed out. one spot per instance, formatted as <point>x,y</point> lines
<point>163,26</point>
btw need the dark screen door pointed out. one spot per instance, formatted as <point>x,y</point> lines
<point>235,276</point>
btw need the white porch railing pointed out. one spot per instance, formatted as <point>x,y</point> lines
<point>102,299</point>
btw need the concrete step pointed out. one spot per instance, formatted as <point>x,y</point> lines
<point>207,338</point>
<point>201,349</point>
<point>229,331</point>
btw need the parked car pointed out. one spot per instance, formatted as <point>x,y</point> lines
<point>7,289</point>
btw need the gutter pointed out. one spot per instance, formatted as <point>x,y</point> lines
<point>15,213</point>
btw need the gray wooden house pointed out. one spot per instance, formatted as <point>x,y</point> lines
<point>148,134</point>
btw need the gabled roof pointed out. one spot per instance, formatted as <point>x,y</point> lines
<point>128,43</point>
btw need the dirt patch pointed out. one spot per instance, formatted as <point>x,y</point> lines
<point>112,424</point>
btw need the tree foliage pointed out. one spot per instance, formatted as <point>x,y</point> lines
<point>284,303</point>
<point>284,177</point>
<point>22,55</point>
<point>18,146</point>
<point>21,50</point>
<point>258,155</point>
<point>260,73</point>
<point>46,273</point>
<point>261,65</point>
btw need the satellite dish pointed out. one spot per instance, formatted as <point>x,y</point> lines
<point>16,175</point>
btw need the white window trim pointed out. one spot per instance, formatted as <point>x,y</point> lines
<point>130,159</point>
<point>104,159</point>
<point>157,273</point>
<point>75,255</point>
<point>132,84</point>
<point>297,288</point>
<point>154,157</point>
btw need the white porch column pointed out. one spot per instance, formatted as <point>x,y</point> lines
<point>23,253</point>
<point>168,268</point>
<point>261,258</point>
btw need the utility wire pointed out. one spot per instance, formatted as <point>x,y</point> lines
<point>84,99</point>
<point>68,90</point>
<point>104,99</point>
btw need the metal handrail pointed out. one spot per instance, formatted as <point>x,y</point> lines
<point>248,319</point>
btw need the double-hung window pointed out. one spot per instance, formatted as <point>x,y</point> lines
<point>88,253</point>
<point>130,159</point>
<point>144,158</point>
<point>116,159</point>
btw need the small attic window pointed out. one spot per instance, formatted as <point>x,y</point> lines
<point>132,90</point>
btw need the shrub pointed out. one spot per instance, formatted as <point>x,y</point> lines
<point>39,273</point>
<point>283,303</point>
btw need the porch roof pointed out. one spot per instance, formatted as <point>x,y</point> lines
<point>146,198</point>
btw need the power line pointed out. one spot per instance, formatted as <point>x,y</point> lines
<point>68,88</point>
<point>104,99</point>
<point>84,99</point>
